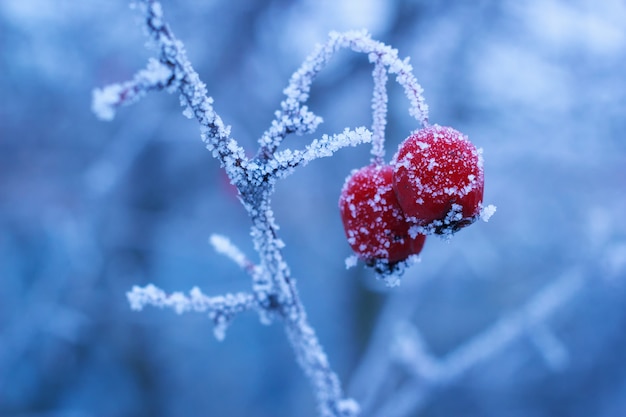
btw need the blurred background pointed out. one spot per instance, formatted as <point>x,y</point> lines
<point>88,209</point>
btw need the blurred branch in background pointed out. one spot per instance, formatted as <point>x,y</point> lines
<point>427,373</point>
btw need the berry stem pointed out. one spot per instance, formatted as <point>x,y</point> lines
<point>379,111</point>
<point>294,117</point>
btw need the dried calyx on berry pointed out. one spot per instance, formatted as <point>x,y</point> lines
<point>438,180</point>
<point>373,221</point>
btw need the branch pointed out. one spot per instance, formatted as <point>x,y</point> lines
<point>173,71</point>
<point>299,86</point>
<point>221,309</point>
<point>313,361</point>
<point>155,77</point>
<point>224,246</point>
<point>379,110</point>
<point>283,163</point>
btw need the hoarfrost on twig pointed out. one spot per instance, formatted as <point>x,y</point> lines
<point>105,101</point>
<point>285,161</point>
<point>379,110</point>
<point>386,61</point>
<point>224,246</point>
<point>140,297</point>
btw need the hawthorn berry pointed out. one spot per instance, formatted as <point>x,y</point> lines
<point>373,221</point>
<point>438,179</point>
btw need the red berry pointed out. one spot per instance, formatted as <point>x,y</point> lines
<point>438,179</point>
<point>373,221</point>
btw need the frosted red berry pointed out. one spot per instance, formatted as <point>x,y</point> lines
<point>373,221</point>
<point>438,179</point>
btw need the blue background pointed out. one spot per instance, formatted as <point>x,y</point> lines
<point>88,208</point>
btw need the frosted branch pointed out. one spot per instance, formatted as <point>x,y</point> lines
<point>224,246</point>
<point>299,121</point>
<point>379,110</point>
<point>299,87</point>
<point>314,362</point>
<point>105,101</point>
<point>221,309</point>
<point>284,162</point>
<point>173,71</point>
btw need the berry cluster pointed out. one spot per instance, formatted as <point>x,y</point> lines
<point>434,185</point>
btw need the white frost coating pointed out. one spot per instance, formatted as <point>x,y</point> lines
<point>155,76</point>
<point>487,212</point>
<point>151,295</point>
<point>221,309</point>
<point>156,73</point>
<point>379,108</point>
<point>348,407</point>
<point>351,261</point>
<point>188,112</point>
<point>105,100</point>
<point>415,230</point>
<point>224,246</point>
<point>392,280</point>
<point>285,161</point>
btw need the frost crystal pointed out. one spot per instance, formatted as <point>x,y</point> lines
<point>156,76</point>
<point>487,212</point>
<point>105,100</point>
<point>224,246</point>
<point>351,261</point>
